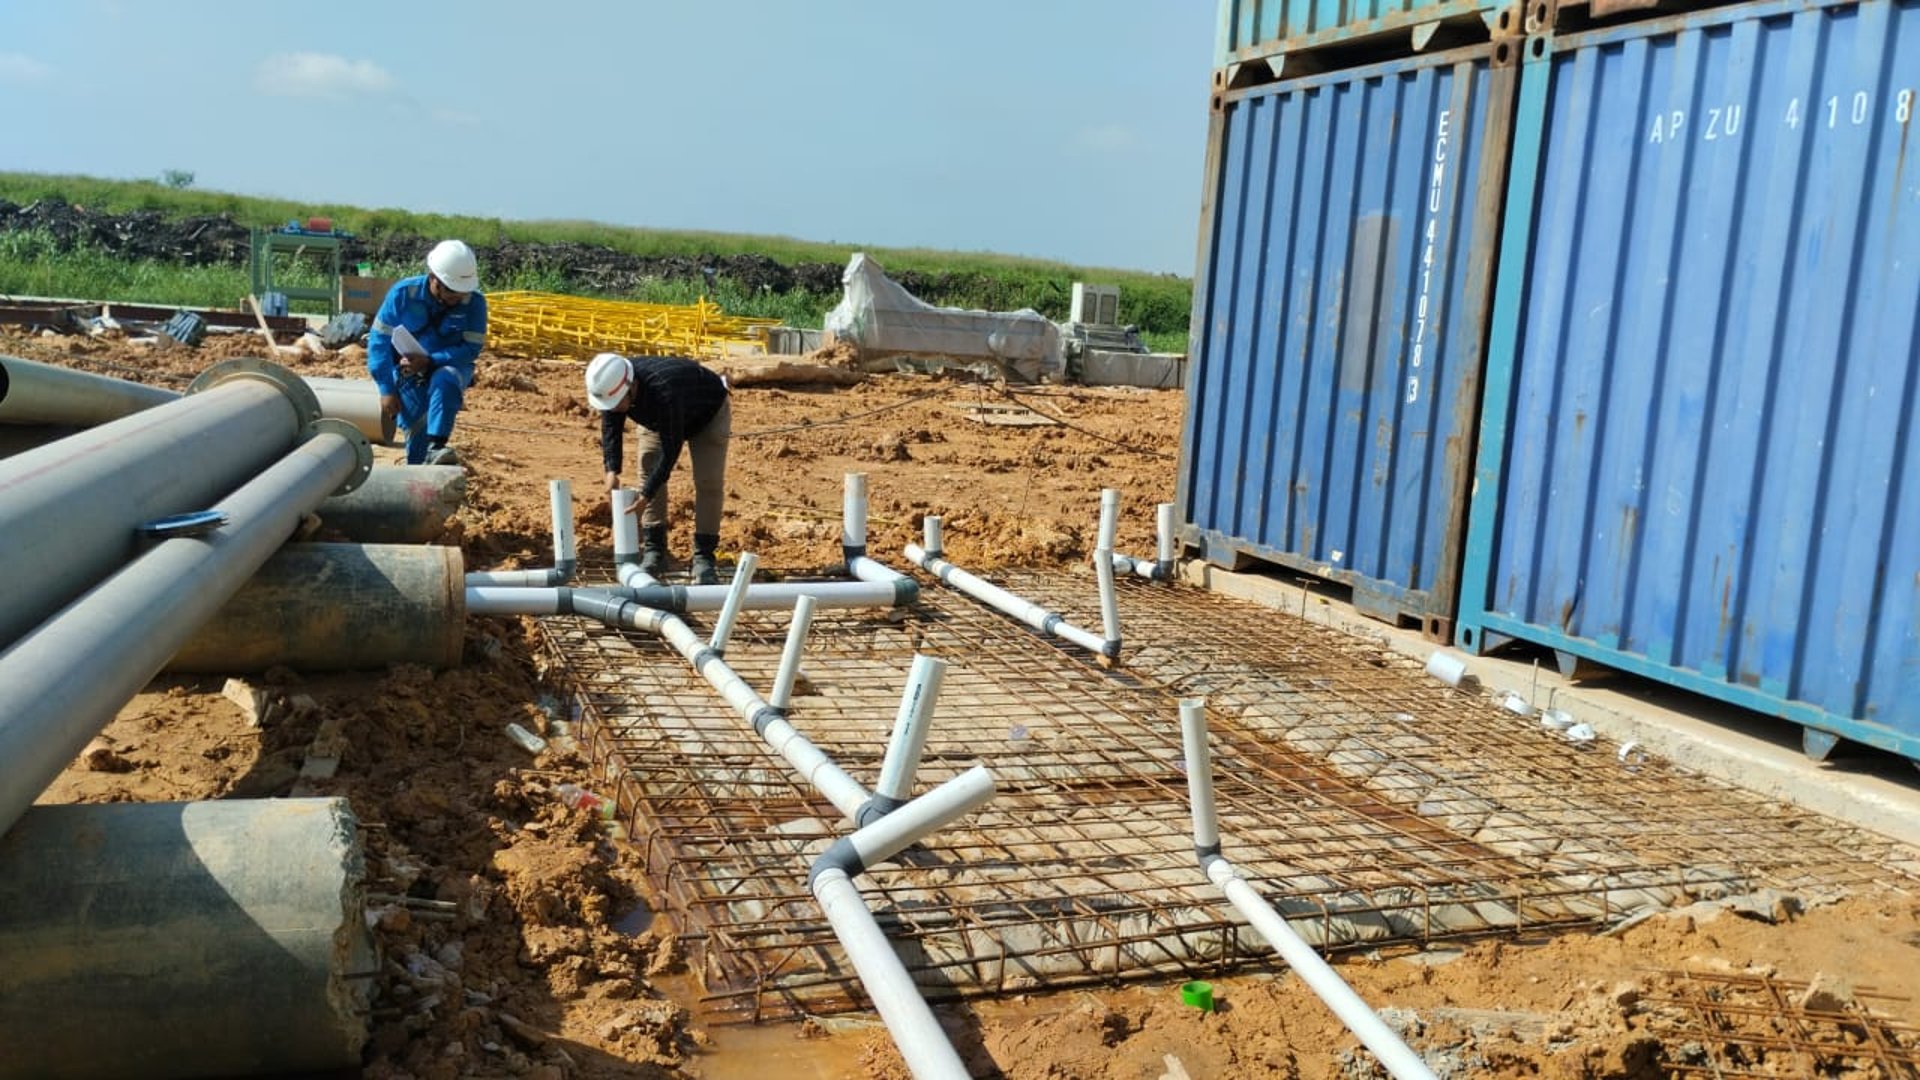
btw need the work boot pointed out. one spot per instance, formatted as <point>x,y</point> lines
<point>704,570</point>
<point>653,550</point>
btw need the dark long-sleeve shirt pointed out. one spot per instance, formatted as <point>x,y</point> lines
<point>673,398</point>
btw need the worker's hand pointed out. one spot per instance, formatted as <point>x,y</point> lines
<point>413,365</point>
<point>613,483</point>
<point>389,406</point>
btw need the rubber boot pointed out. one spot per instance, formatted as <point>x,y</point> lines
<point>653,550</point>
<point>704,570</point>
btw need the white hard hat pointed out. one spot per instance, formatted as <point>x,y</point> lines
<point>609,375</point>
<point>453,263</point>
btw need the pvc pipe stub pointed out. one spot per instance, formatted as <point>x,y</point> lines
<point>306,403</point>
<point>1198,994</point>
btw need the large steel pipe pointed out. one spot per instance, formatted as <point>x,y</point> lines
<point>62,683</point>
<point>338,607</point>
<point>399,504</point>
<point>183,939</point>
<point>357,401</point>
<point>68,511</point>
<point>32,393</point>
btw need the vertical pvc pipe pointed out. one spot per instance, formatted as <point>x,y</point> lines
<point>560,492</point>
<point>730,611</point>
<point>1109,518</point>
<point>626,531</point>
<point>1103,564</point>
<point>790,656</point>
<point>910,727</point>
<point>853,514</point>
<point>1163,554</point>
<point>1193,738</point>
<point>930,535</point>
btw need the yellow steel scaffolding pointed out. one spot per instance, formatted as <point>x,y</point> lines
<point>538,324</point>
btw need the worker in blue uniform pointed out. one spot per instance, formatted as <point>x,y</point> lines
<point>444,313</point>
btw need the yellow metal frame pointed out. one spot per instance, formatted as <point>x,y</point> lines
<point>538,324</point>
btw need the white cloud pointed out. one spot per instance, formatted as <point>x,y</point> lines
<point>21,68</point>
<point>1105,139</point>
<point>320,75</point>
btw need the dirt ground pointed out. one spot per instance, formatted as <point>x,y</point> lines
<point>547,965</point>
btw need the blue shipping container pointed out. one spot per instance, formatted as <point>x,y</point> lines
<point>1252,29</point>
<point>1341,304</point>
<point>1698,457</point>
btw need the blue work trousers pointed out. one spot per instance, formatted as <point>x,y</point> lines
<point>427,408</point>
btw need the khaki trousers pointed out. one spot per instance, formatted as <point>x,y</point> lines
<point>708,449</point>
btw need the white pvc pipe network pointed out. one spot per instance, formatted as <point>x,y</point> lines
<point>790,656</point>
<point>1353,1011</point>
<point>730,611</point>
<point>993,596</point>
<point>923,1043</point>
<point>560,497</point>
<point>910,727</point>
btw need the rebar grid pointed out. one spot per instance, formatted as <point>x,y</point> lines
<point>1758,1026</point>
<point>1361,827</point>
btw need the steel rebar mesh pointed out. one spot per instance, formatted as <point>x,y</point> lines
<point>1740,1025</point>
<point>1370,804</point>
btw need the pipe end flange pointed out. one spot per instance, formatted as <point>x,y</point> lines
<point>306,404</point>
<point>362,449</point>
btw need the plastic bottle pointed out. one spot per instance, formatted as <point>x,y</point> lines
<point>580,798</point>
<point>527,740</point>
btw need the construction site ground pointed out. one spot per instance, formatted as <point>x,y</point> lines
<point>1475,876</point>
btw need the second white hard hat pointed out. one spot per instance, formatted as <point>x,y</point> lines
<point>609,375</point>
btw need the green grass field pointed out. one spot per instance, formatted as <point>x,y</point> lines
<point>30,265</point>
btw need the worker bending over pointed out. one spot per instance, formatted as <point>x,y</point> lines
<point>676,402</point>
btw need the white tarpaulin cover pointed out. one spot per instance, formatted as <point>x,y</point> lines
<point>886,321</point>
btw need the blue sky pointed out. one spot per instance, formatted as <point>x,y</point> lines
<point>1065,129</point>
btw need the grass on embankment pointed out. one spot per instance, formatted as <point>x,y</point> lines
<point>1158,304</point>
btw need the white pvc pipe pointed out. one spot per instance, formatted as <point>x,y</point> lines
<point>560,495</point>
<point>626,530</point>
<point>1109,518</point>
<point>923,1043</point>
<point>915,1030</point>
<point>902,828</point>
<point>1353,1011</point>
<point>736,591</point>
<point>1193,737</point>
<point>910,728</point>
<point>790,656</point>
<point>843,791</point>
<point>930,534</point>
<point>1103,563</point>
<point>512,600</point>
<point>994,596</point>
<point>1163,515</point>
<point>853,513</point>
<point>766,596</point>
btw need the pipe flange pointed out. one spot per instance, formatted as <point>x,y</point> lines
<point>362,449</point>
<point>306,404</point>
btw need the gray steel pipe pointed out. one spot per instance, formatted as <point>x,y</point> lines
<point>338,607</point>
<point>68,511</point>
<point>357,401</point>
<point>183,940</point>
<point>33,393</point>
<point>62,683</point>
<point>399,504</point>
